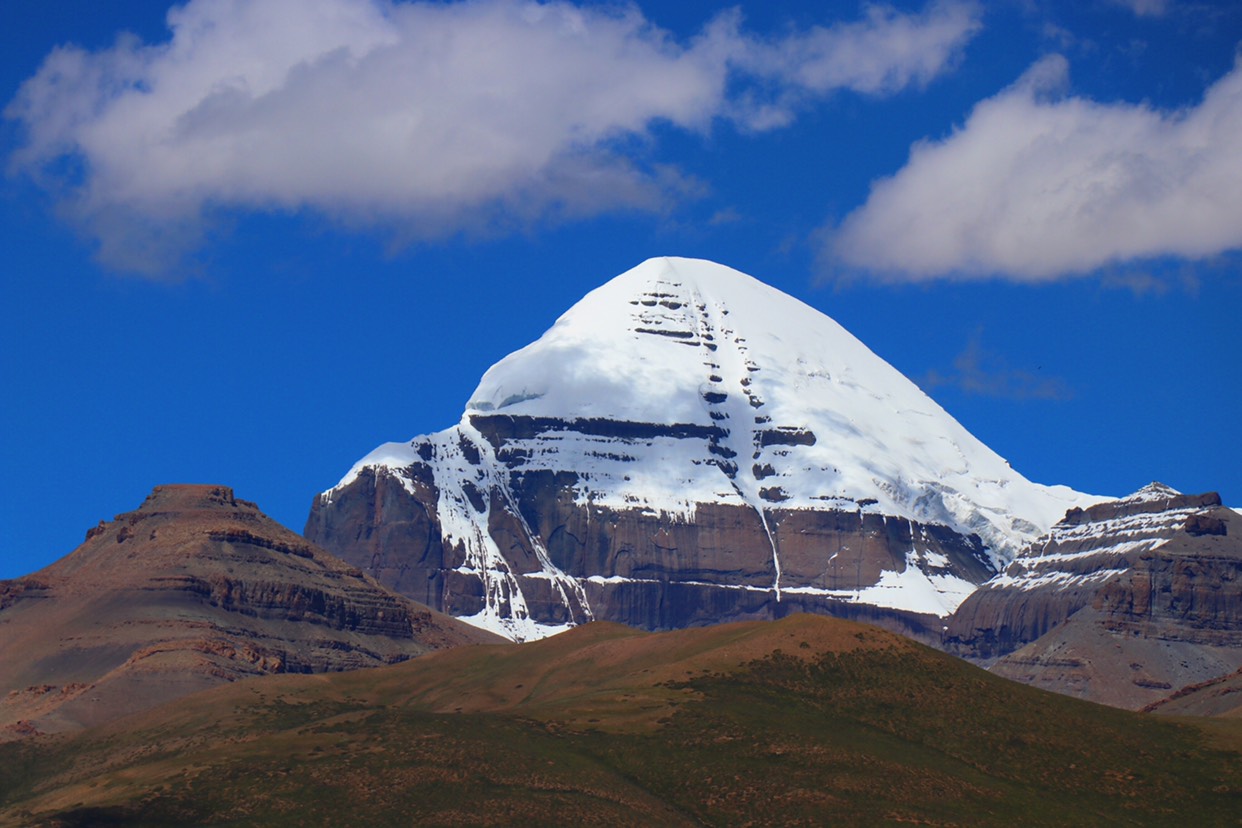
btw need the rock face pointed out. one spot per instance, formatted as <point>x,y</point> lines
<point>192,589</point>
<point>1122,603</point>
<point>688,445</point>
<point>563,564</point>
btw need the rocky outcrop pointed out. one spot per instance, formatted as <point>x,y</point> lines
<point>1220,696</point>
<point>1122,603</point>
<point>193,588</point>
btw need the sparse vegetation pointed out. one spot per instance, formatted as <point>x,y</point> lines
<point>880,730</point>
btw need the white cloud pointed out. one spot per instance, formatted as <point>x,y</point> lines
<point>881,54</point>
<point>1035,186</point>
<point>420,117</point>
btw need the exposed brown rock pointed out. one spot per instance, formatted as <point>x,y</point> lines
<point>1219,696</point>
<point>193,588</point>
<point>1205,525</point>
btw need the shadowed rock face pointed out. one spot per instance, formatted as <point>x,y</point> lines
<point>379,527</point>
<point>1123,603</point>
<point>193,588</point>
<point>635,566</point>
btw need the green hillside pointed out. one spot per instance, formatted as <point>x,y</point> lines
<point>809,720</point>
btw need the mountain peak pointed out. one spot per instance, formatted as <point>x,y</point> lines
<point>686,428</point>
<point>640,346</point>
<point>801,412</point>
<point>633,349</point>
<point>1154,491</point>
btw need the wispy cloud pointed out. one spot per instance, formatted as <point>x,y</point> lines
<point>1145,8</point>
<point>423,118</point>
<point>1037,186</point>
<point>984,373</point>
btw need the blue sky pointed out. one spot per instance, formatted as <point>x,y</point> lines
<point>246,241</point>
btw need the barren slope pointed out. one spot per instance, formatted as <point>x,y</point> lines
<point>192,589</point>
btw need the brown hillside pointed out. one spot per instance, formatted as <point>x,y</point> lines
<point>192,589</point>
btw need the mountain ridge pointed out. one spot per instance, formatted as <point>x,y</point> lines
<point>1121,603</point>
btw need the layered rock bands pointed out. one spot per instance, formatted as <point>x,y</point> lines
<point>194,588</point>
<point>1123,603</point>
<point>535,556</point>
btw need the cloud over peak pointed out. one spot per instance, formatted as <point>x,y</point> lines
<point>423,118</point>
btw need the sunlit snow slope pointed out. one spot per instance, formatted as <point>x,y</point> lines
<point>690,341</point>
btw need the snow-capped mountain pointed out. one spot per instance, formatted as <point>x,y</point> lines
<point>687,444</point>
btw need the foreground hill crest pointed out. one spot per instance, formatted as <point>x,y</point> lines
<point>686,445</point>
<point>803,721</point>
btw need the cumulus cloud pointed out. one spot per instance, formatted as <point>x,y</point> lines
<point>1037,185</point>
<point>421,117</point>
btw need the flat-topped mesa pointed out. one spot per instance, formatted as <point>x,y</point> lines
<point>188,496</point>
<point>1086,540</point>
<point>684,445</point>
<point>190,500</point>
<point>173,523</point>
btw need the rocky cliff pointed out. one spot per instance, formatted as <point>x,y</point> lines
<point>559,563</point>
<point>193,588</point>
<point>1123,602</point>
